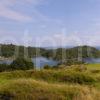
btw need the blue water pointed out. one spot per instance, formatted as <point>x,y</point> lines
<point>39,62</point>
<point>8,62</point>
<point>92,60</point>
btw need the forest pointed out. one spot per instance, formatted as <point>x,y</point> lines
<point>15,51</point>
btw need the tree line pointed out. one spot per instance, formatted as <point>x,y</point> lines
<point>15,51</point>
<point>17,64</point>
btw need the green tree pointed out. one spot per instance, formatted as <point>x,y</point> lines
<point>47,67</point>
<point>21,64</point>
<point>4,67</point>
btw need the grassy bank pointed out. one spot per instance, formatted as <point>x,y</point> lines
<point>62,84</point>
<point>29,89</point>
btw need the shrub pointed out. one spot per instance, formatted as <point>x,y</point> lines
<point>79,78</point>
<point>95,71</point>
<point>70,62</point>
<point>65,76</point>
<point>21,64</point>
<point>4,67</point>
<point>47,67</point>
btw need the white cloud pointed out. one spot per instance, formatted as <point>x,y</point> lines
<point>69,40</point>
<point>7,12</point>
<point>55,40</point>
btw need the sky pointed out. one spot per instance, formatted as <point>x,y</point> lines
<point>49,23</point>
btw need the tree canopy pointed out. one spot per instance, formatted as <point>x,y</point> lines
<point>21,64</point>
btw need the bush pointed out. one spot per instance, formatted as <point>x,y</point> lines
<point>21,64</point>
<point>70,62</point>
<point>77,77</point>
<point>95,71</point>
<point>47,67</point>
<point>64,76</point>
<point>4,67</point>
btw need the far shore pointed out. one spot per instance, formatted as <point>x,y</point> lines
<point>3,58</point>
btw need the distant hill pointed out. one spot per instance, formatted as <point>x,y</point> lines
<point>19,51</point>
<point>75,52</point>
<point>98,47</point>
<point>69,53</point>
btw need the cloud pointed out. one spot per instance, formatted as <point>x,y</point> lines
<point>13,15</point>
<point>35,2</point>
<point>55,40</point>
<point>63,40</point>
<point>7,12</point>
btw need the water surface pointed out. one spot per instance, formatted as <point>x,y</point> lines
<point>39,62</point>
<point>92,60</point>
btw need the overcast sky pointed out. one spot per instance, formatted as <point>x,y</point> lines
<point>50,22</point>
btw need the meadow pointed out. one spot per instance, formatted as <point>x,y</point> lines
<point>53,84</point>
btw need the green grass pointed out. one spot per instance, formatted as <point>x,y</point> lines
<point>29,89</point>
<point>93,66</point>
<point>62,84</point>
<point>51,76</point>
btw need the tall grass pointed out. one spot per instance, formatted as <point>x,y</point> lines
<point>62,76</point>
<point>29,89</point>
<point>62,84</point>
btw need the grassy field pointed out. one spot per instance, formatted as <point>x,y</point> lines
<point>62,84</point>
<point>93,66</point>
